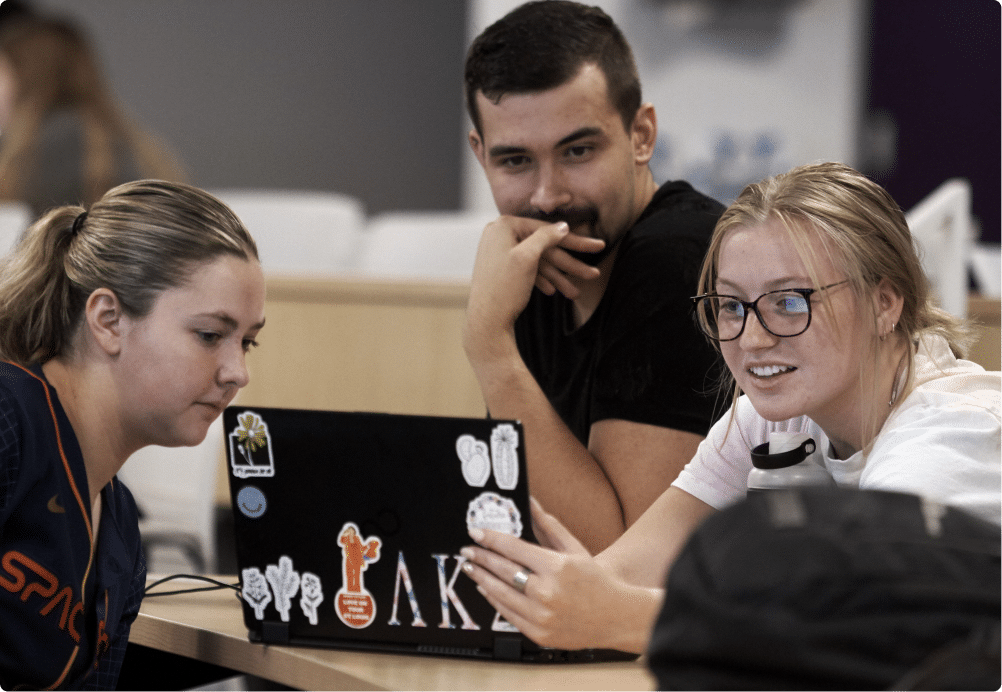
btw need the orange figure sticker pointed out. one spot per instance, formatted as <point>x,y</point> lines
<point>354,604</point>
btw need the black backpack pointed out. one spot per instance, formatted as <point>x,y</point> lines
<point>832,589</point>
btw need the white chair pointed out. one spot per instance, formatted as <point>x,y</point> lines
<point>986,265</point>
<point>941,225</point>
<point>422,245</point>
<point>300,233</point>
<point>175,488</point>
<point>15,218</point>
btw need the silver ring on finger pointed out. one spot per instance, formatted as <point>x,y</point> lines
<point>520,578</point>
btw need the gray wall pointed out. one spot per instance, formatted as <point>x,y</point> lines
<point>356,96</point>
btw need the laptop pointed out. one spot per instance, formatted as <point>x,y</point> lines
<point>349,525</point>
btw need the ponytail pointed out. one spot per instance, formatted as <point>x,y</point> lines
<point>39,305</point>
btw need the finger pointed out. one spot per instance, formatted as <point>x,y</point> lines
<point>515,550</point>
<point>522,226</point>
<point>582,243</point>
<point>557,535</point>
<point>570,265</point>
<point>522,624</point>
<point>498,586</point>
<point>527,255</point>
<point>518,609</point>
<point>539,533</point>
<point>544,285</point>
<point>558,280</point>
<point>512,603</point>
<point>545,238</point>
<point>498,565</point>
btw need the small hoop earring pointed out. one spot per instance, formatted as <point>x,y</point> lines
<point>883,336</point>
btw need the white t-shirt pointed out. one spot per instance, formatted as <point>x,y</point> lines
<point>942,442</point>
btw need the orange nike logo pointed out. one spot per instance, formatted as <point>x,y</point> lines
<point>54,506</point>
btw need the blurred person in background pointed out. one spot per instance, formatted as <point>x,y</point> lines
<point>63,137</point>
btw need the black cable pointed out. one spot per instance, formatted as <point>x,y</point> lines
<point>198,577</point>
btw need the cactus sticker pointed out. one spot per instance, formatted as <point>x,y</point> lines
<point>504,442</point>
<point>284,584</point>
<point>475,460</point>
<point>354,604</point>
<point>250,447</point>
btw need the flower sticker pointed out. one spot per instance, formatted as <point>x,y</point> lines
<point>251,432</point>
<point>250,447</point>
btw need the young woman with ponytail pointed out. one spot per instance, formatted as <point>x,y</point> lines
<point>122,325</point>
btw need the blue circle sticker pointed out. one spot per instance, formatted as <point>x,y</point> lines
<point>251,502</point>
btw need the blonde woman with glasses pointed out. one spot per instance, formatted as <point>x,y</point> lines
<point>813,292</point>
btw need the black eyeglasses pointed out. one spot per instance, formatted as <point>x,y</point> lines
<point>786,312</point>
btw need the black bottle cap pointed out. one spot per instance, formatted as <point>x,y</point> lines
<point>763,460</point>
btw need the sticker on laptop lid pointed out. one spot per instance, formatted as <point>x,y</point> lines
<point>254,590</point>
<point>499,624</point>
<point>251,502</point>
<point>354,604</point>
<point>491,511</point>
<point>313,595</point>
<point>250,447</point>
<point>404,577</point>
<point>504,442</point>
<point>284,584</point>
<point>474,457</point>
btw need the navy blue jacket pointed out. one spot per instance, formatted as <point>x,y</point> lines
<point>64,616</point>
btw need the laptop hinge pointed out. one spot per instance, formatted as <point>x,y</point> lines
<point>508,648</point>
<point>274,632</point>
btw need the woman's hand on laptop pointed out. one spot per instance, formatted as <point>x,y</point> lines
<point>560,596</point>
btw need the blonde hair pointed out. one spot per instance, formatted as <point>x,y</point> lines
<point>865,236</point>
<point>138,240</point>
<point>55,69</point>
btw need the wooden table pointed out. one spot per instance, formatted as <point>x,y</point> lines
<point>208,627</point>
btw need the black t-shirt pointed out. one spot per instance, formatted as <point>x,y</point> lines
<point>640,357</point>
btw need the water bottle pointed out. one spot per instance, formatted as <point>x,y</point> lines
<point>787,460</point>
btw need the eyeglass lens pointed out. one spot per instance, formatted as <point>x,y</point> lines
<point>782,313</point>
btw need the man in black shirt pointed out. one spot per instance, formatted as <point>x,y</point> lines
<point>602,362</point>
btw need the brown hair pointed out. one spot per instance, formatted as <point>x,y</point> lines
<point>56,69</point>
<point>542,45</point>
<point>138,240</point>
